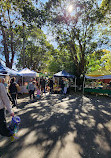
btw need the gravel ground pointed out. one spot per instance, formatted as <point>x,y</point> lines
<point>59,126</point>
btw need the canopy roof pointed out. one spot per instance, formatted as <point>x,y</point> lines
<point>8,71</point>
<point>1,74</point>
<point>99,77</point>
<point>27,72</point>
<point>63,73</point>
<point>99,74</point>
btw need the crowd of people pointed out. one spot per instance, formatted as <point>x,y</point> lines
<point>9,92</point>
<point>8,95</point>
<point>47,85</point>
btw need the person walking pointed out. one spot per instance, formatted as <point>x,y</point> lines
<point>62,85</point>
<point>51,85</point>
<point>4,104</point>
<point>42,84</point>
<point>31,89</point>
<point>66,85</point>
<point>38,92</point>
<point>13,91</point>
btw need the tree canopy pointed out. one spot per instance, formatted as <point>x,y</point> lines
<point>81,30</point>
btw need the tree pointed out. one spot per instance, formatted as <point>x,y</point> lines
<point>106,60</point>
<point>37,50</point>
<point>13,14</point>
<point>95,60</point>
<point>75,31</point>
<point>105,6</point>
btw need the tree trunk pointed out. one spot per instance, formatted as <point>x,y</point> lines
<point>6,52</point>
<point>12,46</point>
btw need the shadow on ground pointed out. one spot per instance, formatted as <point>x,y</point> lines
<point>57,126</point>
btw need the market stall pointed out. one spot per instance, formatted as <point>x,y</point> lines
<point>98,85</point>
<point>64,74</point>
<point>26,75</point>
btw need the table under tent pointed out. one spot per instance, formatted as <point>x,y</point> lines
<point>64,74</point>
<point>98,84</point>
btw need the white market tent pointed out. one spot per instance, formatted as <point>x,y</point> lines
<point>7,71</point>
<point>27,73</point>
<point>1,74</point>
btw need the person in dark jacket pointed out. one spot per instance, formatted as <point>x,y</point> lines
<point>62,85</point>
<point>51,85</point>
<point>13,91</point>
<point>42,84</point>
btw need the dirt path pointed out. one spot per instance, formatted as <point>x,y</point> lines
<point>61,126</point>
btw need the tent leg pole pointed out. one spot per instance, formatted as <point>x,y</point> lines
<point>83,84</point>
<point>22,80</point>
<point>22,83</point>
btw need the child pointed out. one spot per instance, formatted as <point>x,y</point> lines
<point>38,92</point>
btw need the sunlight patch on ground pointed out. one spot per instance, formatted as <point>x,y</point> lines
<point>22,112</point>
<point>89,122</point>
<point>100,126</point>
<point>22,132</point>
<point>88,107</point>
<point>47,143</point>
<point>72,123</point>
<point>66,147</point>
<point>106,112</point>
<point>72,100</point>
<point>53,129</point>
<point>85,120</point>
<point>43,117</point>
<point>85,99</point>
<point>61,108</point>
<point>80,121</point>
<point>4,141</point>
<point>41,136</point>
<point>76,110</point>
<point>108,126</point>
<point>30,152</point>
<point>83,114</point>
<point>102,142</point>
<point>30,138</point>
<point>34,116</point>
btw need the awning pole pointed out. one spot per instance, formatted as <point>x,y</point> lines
<point>83,84</point>
<point>22,80</point>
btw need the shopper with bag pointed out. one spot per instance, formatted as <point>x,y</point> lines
<point>4,104</point>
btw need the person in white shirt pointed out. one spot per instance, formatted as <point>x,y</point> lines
<point>31,89</point>
<point>66,85</point>
<point>4,104</point>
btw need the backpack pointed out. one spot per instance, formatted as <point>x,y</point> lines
<point>13,88</point>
